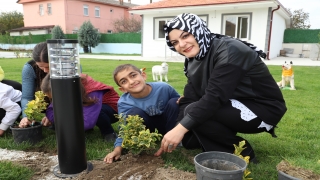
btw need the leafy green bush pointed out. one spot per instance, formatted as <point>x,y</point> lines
<point>136,138</point>
<point>34,109</point>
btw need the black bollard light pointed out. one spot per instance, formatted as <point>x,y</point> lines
<point>64,63</point>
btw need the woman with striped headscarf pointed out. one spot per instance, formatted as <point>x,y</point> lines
<point>229,89</point>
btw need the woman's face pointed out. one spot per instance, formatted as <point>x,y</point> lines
<point>43,66</point>
<point>184,43</point>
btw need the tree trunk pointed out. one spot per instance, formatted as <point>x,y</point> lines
<point>85,49</point>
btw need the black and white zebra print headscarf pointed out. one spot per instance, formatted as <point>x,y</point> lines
<point>194,25</point>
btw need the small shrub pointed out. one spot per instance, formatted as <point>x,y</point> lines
<point>34,109</point>
<point>136,138</point>
<point>17,54</point>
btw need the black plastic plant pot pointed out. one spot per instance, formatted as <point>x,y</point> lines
<point>32,134</point>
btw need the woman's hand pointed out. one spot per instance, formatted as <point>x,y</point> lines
<point>24,122</point>
<point>171,140</point>
<point>45,122</point>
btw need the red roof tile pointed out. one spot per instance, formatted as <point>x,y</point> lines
<point>183,3</point>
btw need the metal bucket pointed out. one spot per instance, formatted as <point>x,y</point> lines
<point>215,165</point>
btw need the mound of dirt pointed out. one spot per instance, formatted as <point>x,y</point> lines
<point>142,167</point>
<point>296,172</point>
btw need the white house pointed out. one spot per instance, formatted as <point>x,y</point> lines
<point>261,22</point>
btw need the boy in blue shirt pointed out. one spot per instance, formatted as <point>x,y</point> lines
<point>155,102</point>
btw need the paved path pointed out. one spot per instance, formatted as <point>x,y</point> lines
<point>275,61</point>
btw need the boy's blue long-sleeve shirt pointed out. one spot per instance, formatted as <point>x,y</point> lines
<point>153,104</point>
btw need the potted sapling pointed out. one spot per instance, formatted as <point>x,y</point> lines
<point>34,112</point>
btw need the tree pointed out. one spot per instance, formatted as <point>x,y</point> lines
<point>88,36</point>
<point>127,25</point>
<point>300,19</point>
<point>57,33</point>
<point>10,20</point>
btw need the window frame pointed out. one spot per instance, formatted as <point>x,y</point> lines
<point>49,8</point>
<point>97,9</point>
<point>156,21</point>
<point>238,28</point>
<point>41,12</point>
<point>85,10</point>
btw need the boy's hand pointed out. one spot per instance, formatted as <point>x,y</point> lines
<point>114,155</point>
<point>1,132</point>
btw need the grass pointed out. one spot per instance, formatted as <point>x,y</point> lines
<point>298,132</point>
<point>10,171</point>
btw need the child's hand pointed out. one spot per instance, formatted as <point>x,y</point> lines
<point>24,123</point>
<point>45,122</point>
<point>114,155</point>
<point>178,101</point>
<point>1,132</point>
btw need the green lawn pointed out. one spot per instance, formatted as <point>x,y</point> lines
<point>298,132</point>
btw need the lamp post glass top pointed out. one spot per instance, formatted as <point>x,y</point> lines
<point>64,61</point>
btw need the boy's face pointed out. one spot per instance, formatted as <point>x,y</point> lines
<point>131,81</point>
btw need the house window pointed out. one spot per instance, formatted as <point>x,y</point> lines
<point>41,10</point>
<point>97,11</point>
<point>160,22</point>
<point>85,10</point>
<point>237,26</point>
<point>109,31</point>
<point>111,10</point>
<point>49,8</point>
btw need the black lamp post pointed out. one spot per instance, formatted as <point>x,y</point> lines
<point>64,63</point>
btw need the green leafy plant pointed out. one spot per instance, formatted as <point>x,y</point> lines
<point>34,109</point>
<point>237,152</point>
<point>136,138</point>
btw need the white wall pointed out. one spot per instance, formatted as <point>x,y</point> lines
<point>300,48</point>
<point>112,48</point>
<point>277,34</point>
<point>26,32</point>
<point>157,48</point>
<point>116,48</point>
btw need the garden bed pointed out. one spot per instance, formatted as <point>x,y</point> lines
<point>141,167</point>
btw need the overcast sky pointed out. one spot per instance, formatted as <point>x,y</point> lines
<point>308,6</point>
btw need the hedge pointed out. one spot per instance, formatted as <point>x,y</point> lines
<point>301,36</point>
<point>290,36</point>
<point>105,38</point>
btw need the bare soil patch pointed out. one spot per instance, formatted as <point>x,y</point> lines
<point>142,167</point>
<point>296,172</point>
